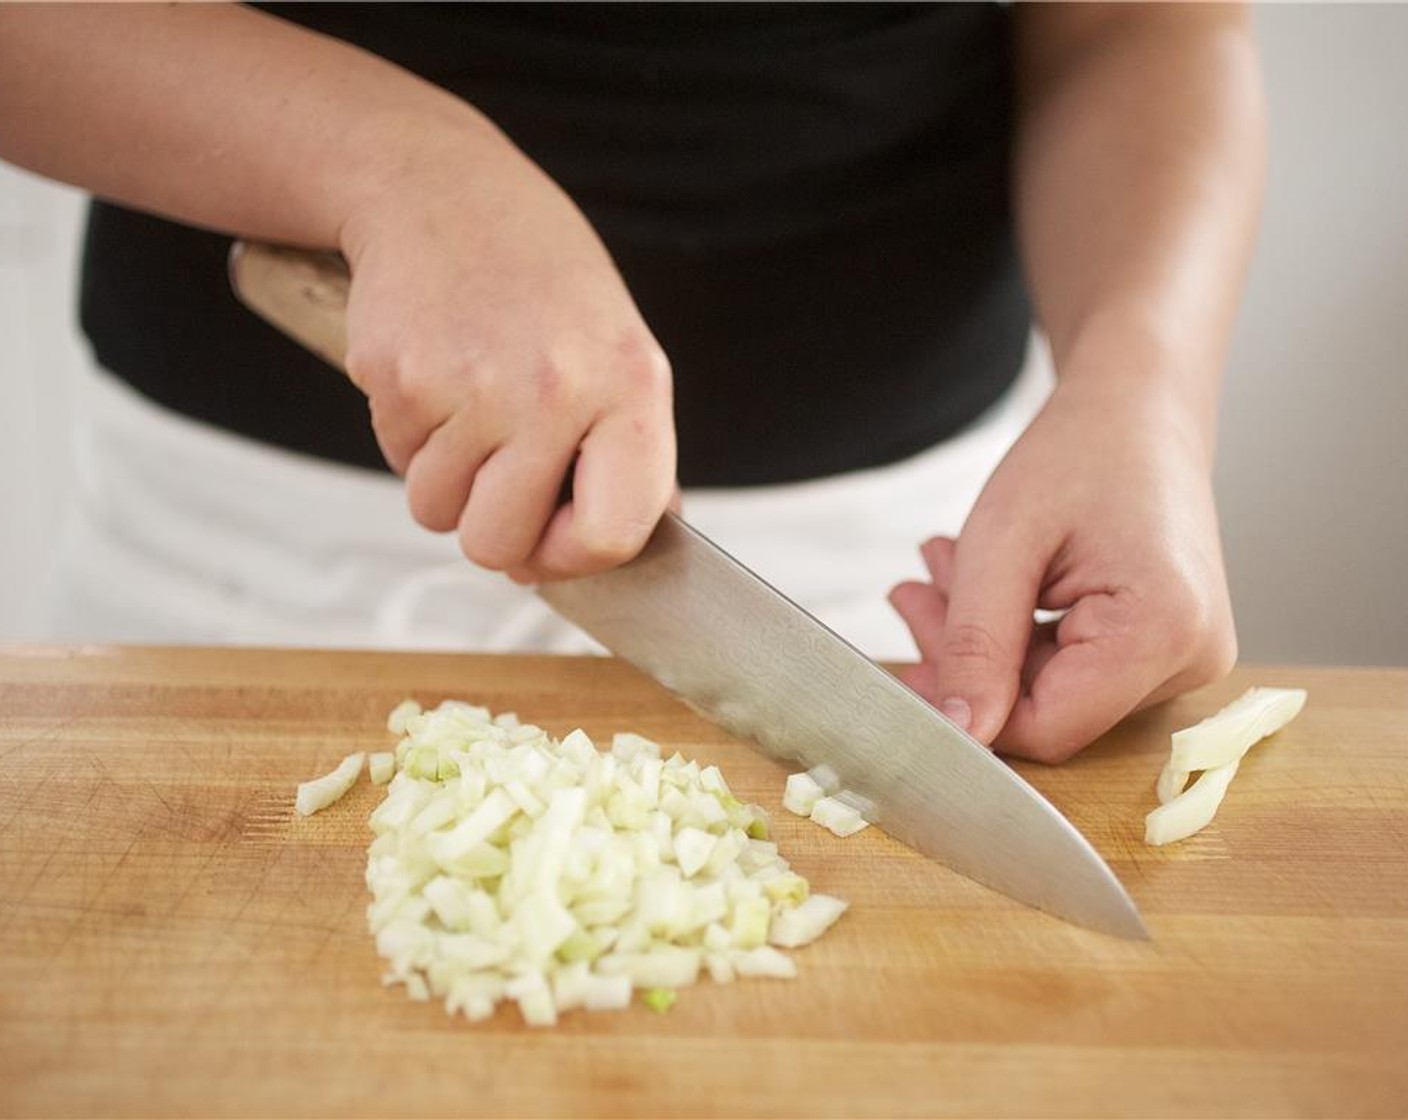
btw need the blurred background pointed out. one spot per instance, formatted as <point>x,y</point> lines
<point>1312,471</point>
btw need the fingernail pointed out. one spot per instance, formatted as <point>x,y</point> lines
<point>957,709</point>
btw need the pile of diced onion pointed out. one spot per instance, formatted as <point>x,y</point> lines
<point>509,865</point>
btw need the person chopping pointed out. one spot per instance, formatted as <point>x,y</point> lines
<point>784,257</point>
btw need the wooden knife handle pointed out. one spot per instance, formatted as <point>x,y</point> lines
<point>301,292</point>
<point>304,294</point>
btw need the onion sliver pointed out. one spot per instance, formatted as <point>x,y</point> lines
<point>1228,735</point>
<point>319,793</point>
<point>1215,746</point>
<point>1192,810</point>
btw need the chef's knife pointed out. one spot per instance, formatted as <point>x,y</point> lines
<point>742,654</point>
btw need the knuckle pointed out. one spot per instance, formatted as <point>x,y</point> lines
<point>1192,628</point>
<point>487,550</point>
<point>1217,656</point>
<point>366,364</point>
<point>643,364</point>
<point>396,448</point>
<point>1175,616</point>
<point>554,387</point>
<point>430,509</point>
<point>391,376</point>
<point>486,557</point>
<point>1039,741</point>
<point>394,387</point>
<point>616,541</point>
<point>609,551</point>
<point>971,642</point>
<point>1180,632</point>
<point>1052,742</point>
<point>1223,655</point>
<point>1053,752</point>
<point>423,387</point>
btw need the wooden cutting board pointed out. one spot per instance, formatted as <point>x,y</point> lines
<point>173,941</point>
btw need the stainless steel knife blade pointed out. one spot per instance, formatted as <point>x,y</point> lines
<point>742,654</point>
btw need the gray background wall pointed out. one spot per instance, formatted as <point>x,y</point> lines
<point>1312,472</point>
<point>1313,456</point>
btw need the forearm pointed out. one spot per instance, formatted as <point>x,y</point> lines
<point>1139,169</point>
<point>219,116</point>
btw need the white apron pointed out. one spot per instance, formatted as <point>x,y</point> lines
<point>183,533</point>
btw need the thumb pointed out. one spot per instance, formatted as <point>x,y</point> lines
<point>978,660</point>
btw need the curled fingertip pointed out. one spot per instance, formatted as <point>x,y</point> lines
<point>957,710</point>
<point>938,556</point>
<point>904,591</point>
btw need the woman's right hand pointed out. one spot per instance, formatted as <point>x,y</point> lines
<point>500,350</point>
<point>487,325</point>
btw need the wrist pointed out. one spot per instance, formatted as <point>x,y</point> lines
<point>401,164</point>
<point>1137,366</point>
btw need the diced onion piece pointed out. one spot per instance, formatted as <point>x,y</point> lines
<point>764,961</point>
<point>319,793</point>
<point>825,777</point>
<point>627,745</point>
<point>440,812</point>
<point>494,811</point>
<point>466,998</point>
<point>401,716</point>
<point>449,898</point>
<point>803,924</point>
<point>534,999</point>
<point>423,762</point>
<point>862,805</point>
<point>381,767</point>
<point>1192,810</point>
<point>470,951</point>
<point>607,993</point>
<point>721,970</point>
<point>664,966</point>
<point>693,847</point>
<point>543,924</point>
<point>1229,734</point>
<point>750,922</point>
<point>838,817</point>
<point>801,793</point>
<point>716,938</point>
<point>786,887</point>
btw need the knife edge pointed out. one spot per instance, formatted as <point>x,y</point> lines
<point>739,652</point>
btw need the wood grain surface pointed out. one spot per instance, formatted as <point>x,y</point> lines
<point>173,941</point>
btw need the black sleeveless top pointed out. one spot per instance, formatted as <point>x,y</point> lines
<point>809,203</point>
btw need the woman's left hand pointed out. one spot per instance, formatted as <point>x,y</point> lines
<point>1103,510</point>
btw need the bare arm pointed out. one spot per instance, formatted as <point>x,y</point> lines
<point>216,114</point>
<point>487,325</point>
<point>1139,166</point>
<point>1139,173</point>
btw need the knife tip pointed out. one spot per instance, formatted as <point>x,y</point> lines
<point>1120,918</point>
